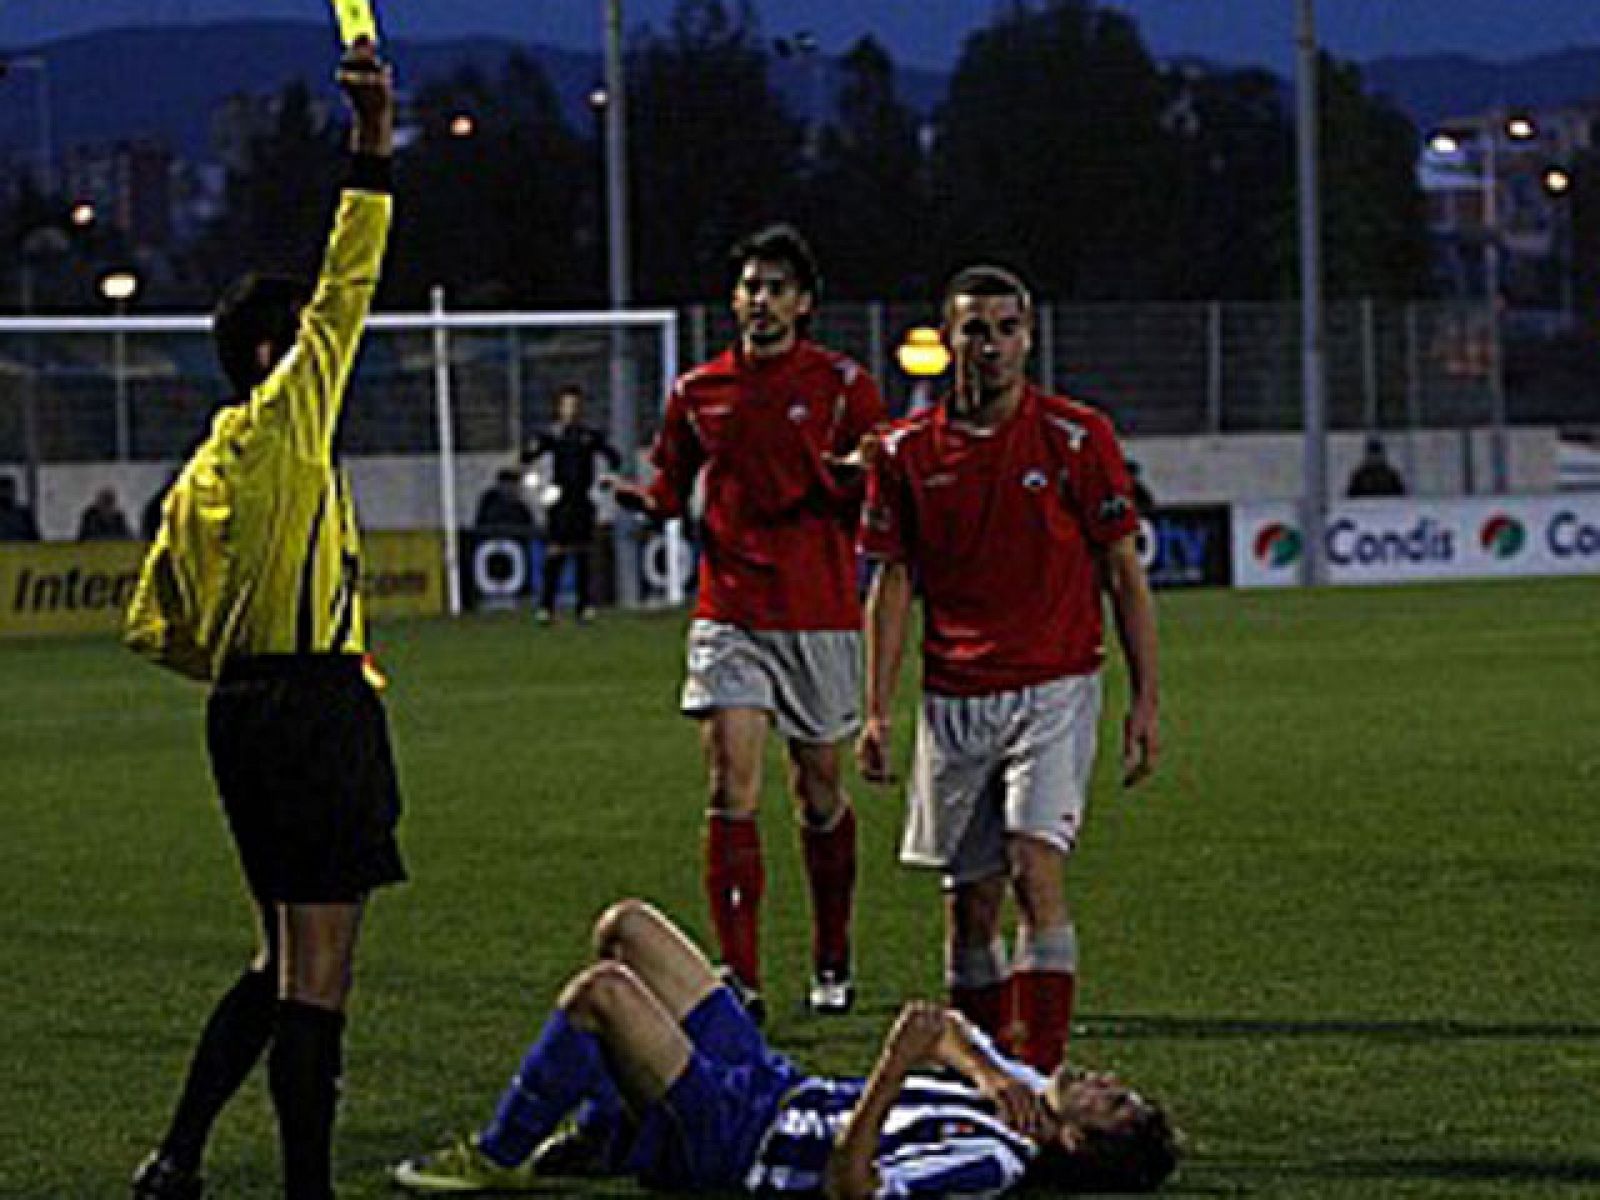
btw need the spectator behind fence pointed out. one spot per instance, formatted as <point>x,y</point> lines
<point>103,520</point>
<point>1375,475</point>
<point>502,507</point>
<point>16,520</point>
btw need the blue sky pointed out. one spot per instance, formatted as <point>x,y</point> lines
<point>924,32</point>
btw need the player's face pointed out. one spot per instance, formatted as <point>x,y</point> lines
<point>568,405</point>
<point>769,303</point>
<point>990,338</point>
<point>1092,1100</point>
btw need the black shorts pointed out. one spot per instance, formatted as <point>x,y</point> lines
<point>570,525</point>
<point>300,751</point>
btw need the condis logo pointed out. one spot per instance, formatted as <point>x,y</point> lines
<point>1278,545</point>
<point>1502,536</point>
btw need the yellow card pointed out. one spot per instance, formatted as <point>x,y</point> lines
<point>355,20</point>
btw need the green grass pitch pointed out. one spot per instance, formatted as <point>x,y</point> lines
<point>1351,932</point>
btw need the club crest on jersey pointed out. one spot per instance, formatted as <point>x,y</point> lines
<point>1035,480</point>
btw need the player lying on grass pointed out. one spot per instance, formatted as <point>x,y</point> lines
<point>671,1081</point>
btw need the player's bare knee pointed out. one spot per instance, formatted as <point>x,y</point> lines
<point>973,911</point>
<point>731,795</point>
<point>623,927</point>
<point>599,993</point>
<point>1038,872</point>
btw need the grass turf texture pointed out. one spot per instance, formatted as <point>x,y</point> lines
<point>1348,933</point>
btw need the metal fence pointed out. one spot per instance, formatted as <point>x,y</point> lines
<point>142,390</point>
<point>1214,368</point>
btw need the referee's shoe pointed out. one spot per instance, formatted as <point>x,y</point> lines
<point>160,1178</point>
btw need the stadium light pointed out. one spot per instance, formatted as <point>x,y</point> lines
<point>119,287</point>
<point>462,125</point>
<point>923,354</point>
<point>1557,181</point>
<point>1444,143</point>
<point>82,215</point>
<point>1521,129</point>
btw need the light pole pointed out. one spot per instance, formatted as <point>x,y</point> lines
<point>1486,133</point>
<point>1557,181</point>
<point>120,287</point>
<point>1313,369</point>
<point>624,423</point>
<point>46,145</point>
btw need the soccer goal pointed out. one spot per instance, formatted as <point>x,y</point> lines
<point>441,402</point>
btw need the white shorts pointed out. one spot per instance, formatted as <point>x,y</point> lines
<point>986,767</point>
<point>810,681</point>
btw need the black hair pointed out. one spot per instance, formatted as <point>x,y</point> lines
<point>780,243</point>
<point>1135,1157</point>
<point>986,280</point>
<point>257,308</point>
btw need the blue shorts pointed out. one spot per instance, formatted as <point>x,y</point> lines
<point>705,1132</point>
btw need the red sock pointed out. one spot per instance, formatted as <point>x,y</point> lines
<point>735,881</point>
<point>1043,1016</point>
<point>831,872</point>
<point>986,1007</point>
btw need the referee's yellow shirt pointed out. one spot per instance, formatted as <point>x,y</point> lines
<point>258,551</point>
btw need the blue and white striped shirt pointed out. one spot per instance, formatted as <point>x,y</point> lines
<point>941,1138</point>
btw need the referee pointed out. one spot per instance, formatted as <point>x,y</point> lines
<point>252,586</point>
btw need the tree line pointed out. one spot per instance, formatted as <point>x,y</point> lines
<point>1063,148</point>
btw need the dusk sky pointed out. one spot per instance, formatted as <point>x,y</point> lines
<point>928,33</point>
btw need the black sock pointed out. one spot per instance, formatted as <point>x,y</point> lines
<point>552,578</point>
<point>303,1072</point>
<point>580,576</point>
<point>234,1037</point>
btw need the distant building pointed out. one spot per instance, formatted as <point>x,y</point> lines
<point>130,185</point>
<point>1523,158</point>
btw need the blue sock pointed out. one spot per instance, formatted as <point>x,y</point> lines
<point>561,1069</point>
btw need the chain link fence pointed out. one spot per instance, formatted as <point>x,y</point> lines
<point>144,390</point>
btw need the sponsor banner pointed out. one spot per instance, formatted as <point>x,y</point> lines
<point>84,587</point>
<point>402,574</point>
<point>67,587</point>
<point>499,570</point>
<point>1404,540</point>
<point>1187,547</point>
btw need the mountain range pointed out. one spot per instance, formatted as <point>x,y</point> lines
<point>120,84</point>
<point>164,81</point>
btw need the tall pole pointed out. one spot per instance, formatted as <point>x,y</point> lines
<point>1313,382</point>
<point>616,160</point>
<point>624,422</point>
<point>1499,472</point>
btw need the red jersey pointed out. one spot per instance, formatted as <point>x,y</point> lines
<point>778,546</point>
<point>1000,529</point>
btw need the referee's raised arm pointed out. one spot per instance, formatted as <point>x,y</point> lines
<point>309,384</point>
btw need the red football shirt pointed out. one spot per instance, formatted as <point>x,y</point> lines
<point>1000,529</point>
<point>778,546</point>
